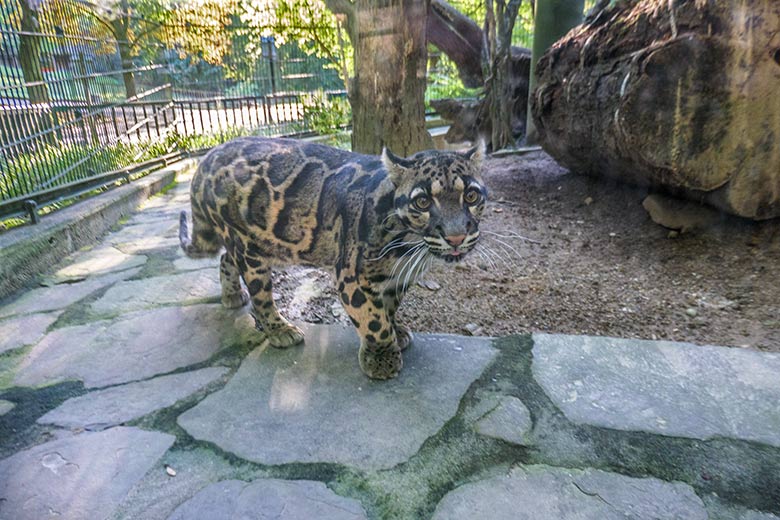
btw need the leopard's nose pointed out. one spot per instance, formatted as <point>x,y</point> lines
<point>455,240</point>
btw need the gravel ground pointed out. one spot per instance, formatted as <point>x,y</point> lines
<point>593,263</point>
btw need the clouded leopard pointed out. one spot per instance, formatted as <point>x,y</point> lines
<point>378,221</point>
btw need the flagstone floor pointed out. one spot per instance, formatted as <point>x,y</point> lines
<point>128,392</point>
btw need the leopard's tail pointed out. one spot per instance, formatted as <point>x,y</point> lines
<point>203,242</point>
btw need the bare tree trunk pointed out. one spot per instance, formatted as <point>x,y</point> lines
<point>499,22</point>
<point>30,63</point>
<point>121,29</point>
<point>388,93</point>
<point>675,95</point>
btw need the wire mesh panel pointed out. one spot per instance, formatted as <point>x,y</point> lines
<point>87,89</point>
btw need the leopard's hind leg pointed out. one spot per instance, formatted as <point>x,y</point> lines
<point>256,272</point>
<point>203,242</point>
<point>233,295</point>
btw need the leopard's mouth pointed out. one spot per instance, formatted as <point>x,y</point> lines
<point>450,256</point>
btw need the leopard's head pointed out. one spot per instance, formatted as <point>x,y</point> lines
<point>440,196</point>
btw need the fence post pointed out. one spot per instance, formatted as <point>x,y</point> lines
<point>32,211</point>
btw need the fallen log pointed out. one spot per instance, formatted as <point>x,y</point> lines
<point>678,95</point>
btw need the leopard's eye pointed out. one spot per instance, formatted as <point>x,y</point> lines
<point>471,196</point>
<point>422,203</point>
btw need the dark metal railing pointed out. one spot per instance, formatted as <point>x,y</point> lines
<point>79,111</point>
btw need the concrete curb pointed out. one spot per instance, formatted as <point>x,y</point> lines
<point>30,251</point>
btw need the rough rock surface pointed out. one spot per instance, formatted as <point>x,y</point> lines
<point>102,260</point>
<point>673,389</point>
<point>60,296</point>
<point>285,406</point>
<point>78,477</point>
<point>190,287</point>
<point>509,421</point>
<point>136,347</point>
<point>536,492</point>
<point>18,331</point>
<point>119,404</point>
<point>268,499</point>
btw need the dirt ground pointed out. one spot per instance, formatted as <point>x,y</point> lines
<point>594,264</point>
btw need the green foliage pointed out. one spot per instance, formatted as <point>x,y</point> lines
<point>325,114</point>
<point>306,23</point>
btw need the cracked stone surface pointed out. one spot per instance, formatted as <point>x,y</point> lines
<point>78,477</point>
<point>24,330</point>
<point>102,260</point>
<point>184,263</point>
<point>138,238</point>
<point>137,346</point>
<point>661,387</point>
<point>189,287</point>
<point>6,406</point>
<point>60,296</point>
<point>536,492</point>
<point>285,406</point>
<point>509,421</point>
<point>116,405</point>
<point>269,499</point>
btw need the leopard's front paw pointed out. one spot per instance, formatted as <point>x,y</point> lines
<point>403,336</point>
<point>380,363</point>
<point>235,300</point>
<point>285,336</point>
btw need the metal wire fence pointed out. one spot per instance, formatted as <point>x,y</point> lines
<point>80,106</point>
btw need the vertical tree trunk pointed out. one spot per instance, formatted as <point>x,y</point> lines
<point>30,62</point>
<point>388,92</point>
<point>499,22</point>
<point>30,54</point>
<point>121,29</point>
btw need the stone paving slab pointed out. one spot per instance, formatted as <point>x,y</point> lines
<point>44,299</point>
<point>269,499</point>
<point>157,228</point>
<point>102,260</point>
<point>509,421</point>
<point>184,263</point>
<point>189,287</point>
<point>313,404</point>
<point>137,346</point>
<point>543,492</point>
<point>18,331</point>
<point>157,234</point>
<point>79,477</point>
<point>119,404</point>
<point>661,387</point>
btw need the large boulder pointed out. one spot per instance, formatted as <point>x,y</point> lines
<point>680,96</point>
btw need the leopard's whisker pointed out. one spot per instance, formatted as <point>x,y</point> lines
<point>400,259</point>
<point>500,255</point>
<point>390,246</point>
<point>504,244</point>
<point>497,253</point>
<point>513,235</point>
<point>407,269</point>
<point>494,258</point>
<point>410,275</point>
<point>486,257</point>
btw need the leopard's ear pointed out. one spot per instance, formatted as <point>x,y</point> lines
<point>477,154</point>
<point>396,166</point>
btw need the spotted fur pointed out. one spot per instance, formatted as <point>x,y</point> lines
<point>378,221</point>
